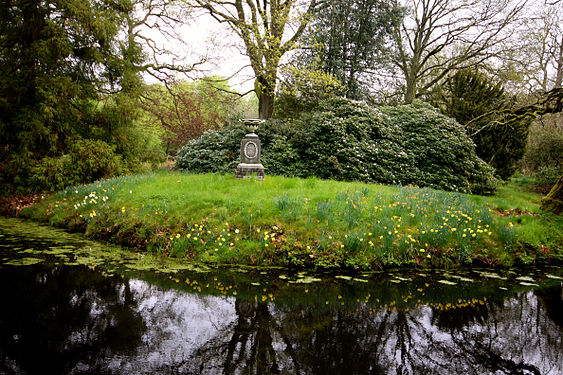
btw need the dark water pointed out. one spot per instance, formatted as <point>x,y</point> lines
<point>76,312</point>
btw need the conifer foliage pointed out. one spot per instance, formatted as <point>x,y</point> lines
<point>66,70</point>
<point>483,108</point>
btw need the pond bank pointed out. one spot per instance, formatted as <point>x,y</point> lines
<point>80,305</point>
<point>308,223</point>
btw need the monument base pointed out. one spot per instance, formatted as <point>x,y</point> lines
<point>247,170</point>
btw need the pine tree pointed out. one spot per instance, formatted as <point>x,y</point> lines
<point>58,59</point>
<point>483,108</point>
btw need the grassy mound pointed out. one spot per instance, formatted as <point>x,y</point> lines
<point>307,222</point>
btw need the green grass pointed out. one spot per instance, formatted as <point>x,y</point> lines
<point>307,222</point>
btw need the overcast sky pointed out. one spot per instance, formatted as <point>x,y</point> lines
<point>204,37</point>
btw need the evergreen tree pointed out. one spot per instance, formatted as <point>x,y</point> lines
<point>65,75</point>
<point>483,108</point>
<point>346,38</point>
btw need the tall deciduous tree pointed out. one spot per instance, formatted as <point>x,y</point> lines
<point>268,29</point>
<point>541,59</point>
<point>347,37</point>
<point>441,36</point>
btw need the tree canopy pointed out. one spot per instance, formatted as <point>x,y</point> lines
<point>268,29</point>
<point>441,36</point>
<point>348,39</point>
<point>71,70</point>
<point>488,115</point>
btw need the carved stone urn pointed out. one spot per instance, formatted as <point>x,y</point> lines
<point>250,150</point>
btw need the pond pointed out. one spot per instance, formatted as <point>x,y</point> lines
<point>71,306</point>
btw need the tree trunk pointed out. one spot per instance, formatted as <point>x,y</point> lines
<point>553,202</point>
<point>559,71</point>
<point>265,105</point>
<point>410,90</point>
<point>266,97</point>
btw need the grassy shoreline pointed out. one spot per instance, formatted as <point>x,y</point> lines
<point>308,222</point>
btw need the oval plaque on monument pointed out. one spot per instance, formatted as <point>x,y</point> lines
<point>250,150</point>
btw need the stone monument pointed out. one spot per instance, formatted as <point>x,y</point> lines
<point>250,152</point>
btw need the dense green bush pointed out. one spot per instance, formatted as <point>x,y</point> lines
<point>346,140</point>
<point>440,153</point>
<point>88,160</point>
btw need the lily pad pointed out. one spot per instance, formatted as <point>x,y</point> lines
<point>461,278</point>
<point>31,251</point>
<point>525,279</point>
<point>492,275</point>
<point>360,280</point>
<point>306,280</point>
<point>447,282</point>
<point>528,284</point>
<point>343,277</point>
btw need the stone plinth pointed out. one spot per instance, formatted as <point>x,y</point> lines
<point>250,150</point>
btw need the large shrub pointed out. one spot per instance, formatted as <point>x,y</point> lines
<point>88,160</point>
<point>346,140</point>
<point>440,153</point>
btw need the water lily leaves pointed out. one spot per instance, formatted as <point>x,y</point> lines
<point>491,275</point>
<point>343,277</point>
<point>525,279</point>
<point>24,261</point>
<point>447,282</point>
<point>306,280</point>
<point>360,280</point>
<point>403,278</point>
<point>31,251</point>
<point>461,278</point>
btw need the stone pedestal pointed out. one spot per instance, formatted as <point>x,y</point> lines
<point>250,150</point>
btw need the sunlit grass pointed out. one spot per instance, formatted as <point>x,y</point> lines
<point>306,222</point>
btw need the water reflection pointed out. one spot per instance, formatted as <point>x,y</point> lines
<point>73,320</point>
<point>55,320</point>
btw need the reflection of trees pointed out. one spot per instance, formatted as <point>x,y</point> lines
<point>56,320</point>
<point>552,301</point>
<point>73,317</point>
<point>500,336</point>
<point>247,346</point>
<point>505,337</point>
